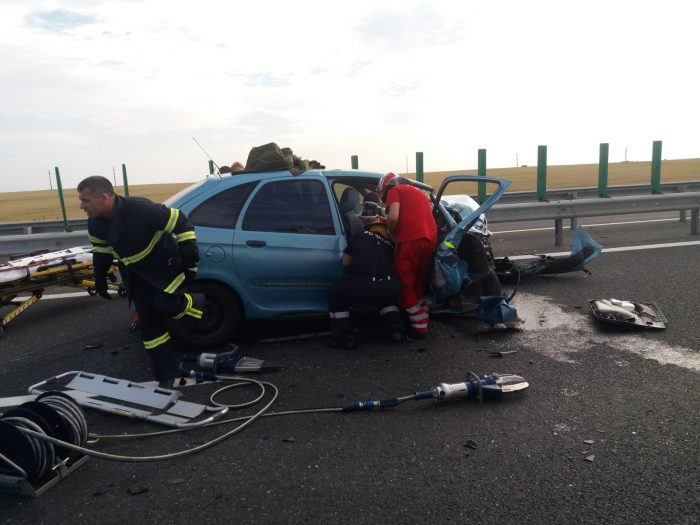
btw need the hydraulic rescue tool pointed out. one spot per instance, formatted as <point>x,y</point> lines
<point>42,441</point>
<point>231,362</point>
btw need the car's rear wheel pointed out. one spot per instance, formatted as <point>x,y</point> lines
<point>222,317</point>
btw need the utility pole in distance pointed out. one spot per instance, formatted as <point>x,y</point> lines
<point>50,182</point>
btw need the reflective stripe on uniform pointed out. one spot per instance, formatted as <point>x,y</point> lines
<point>96,240</point>
<point>151,344</point>
<point>193,312</point>
<point>143,253</point>
<point>188,305</point>
<point>103,249</point>
<point>174,214</point>
<point>388,309</point>
<point>339,315</point>
<point>175,284</point>
<point>189,309</point>
<point>172,220</point>
<point>186,236</point>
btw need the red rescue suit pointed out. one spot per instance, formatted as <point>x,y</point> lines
<point>415,236</point>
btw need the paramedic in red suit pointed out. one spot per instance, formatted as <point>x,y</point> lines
<point>411,223</point>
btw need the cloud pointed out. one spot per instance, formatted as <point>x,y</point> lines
<point>264,80</point>
<point>58,20</point>
<point>402,29</point>
<point>262,121</point>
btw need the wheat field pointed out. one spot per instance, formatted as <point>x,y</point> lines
<point>44,204</point>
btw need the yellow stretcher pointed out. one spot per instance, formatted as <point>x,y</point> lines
<point>33,273</point>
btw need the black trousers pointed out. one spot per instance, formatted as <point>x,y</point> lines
<point>473,251</point>
<point>362,292</point>
<point>154,307</point>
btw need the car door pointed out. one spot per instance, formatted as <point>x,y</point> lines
<point>214,216</point>
<point>452,185</point>
<point>287,246</point>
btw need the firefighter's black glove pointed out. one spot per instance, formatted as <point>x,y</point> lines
<point>190,276</point>
<point>101,285</point>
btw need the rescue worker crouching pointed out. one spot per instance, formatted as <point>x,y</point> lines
<point>371,280</point>
<point>157,247</point>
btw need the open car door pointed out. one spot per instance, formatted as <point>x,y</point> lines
<point>501,185</point>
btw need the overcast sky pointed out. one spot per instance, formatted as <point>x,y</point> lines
<point>88,85</point>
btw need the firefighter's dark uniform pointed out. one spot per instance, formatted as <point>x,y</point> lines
<point>158,248</point>
<point>371,281</point>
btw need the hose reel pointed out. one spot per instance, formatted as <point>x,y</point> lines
<point>30,465</point>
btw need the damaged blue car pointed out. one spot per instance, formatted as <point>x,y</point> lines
<point>271,242</point>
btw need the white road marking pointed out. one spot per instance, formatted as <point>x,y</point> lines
<point>545,228</point>
<point>618,249</point>
<point>66,295</point>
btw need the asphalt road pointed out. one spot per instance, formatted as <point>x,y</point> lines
<point>627,401</point>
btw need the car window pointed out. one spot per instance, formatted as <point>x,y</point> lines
<point>222,210</point>
<point>297,206</point>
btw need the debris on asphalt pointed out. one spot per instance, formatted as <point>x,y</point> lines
<point>470,443</point>
<point>103,490</point>
<point>92,346</point>
<point>289,440</point>
<point>588,441</point>
<point>298,337</point>
<point>135,491</point>
<point>175,481</point>
<point>590,458</point>
<point>501,353</point>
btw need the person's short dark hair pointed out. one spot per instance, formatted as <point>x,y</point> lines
<point>373,197</point>
<point>96,184</point>
<point>225,169</point>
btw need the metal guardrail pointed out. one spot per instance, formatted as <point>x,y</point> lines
<point>573,209</point>
<point>18,244</point>
<point>33,227</point>
<point>30,227</point>
<point>613,191</point>
<point>26,237</point>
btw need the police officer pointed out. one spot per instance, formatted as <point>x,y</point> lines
<point>158,248</point>
<point>371,280</point>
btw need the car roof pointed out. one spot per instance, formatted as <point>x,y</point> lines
<point>229,180</point>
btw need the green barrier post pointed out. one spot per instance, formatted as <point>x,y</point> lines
<point>541,173</point>
<point>126,181</point>
<point>603,171</point>
<point>354,162</point>
<point>211,167</point>
<point>419,166</point>
<point>481,172</point>
<point>656,167</point>
<point>60,198</point>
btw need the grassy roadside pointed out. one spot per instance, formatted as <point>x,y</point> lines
<point>44,204</point>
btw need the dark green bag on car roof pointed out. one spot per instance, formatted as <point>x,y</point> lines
<point>269,157</point>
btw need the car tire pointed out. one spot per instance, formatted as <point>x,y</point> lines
<point>222,317</point>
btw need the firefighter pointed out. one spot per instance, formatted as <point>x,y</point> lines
<point>371,280</point>
<point>157,247</point>
<point>411,223</point>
